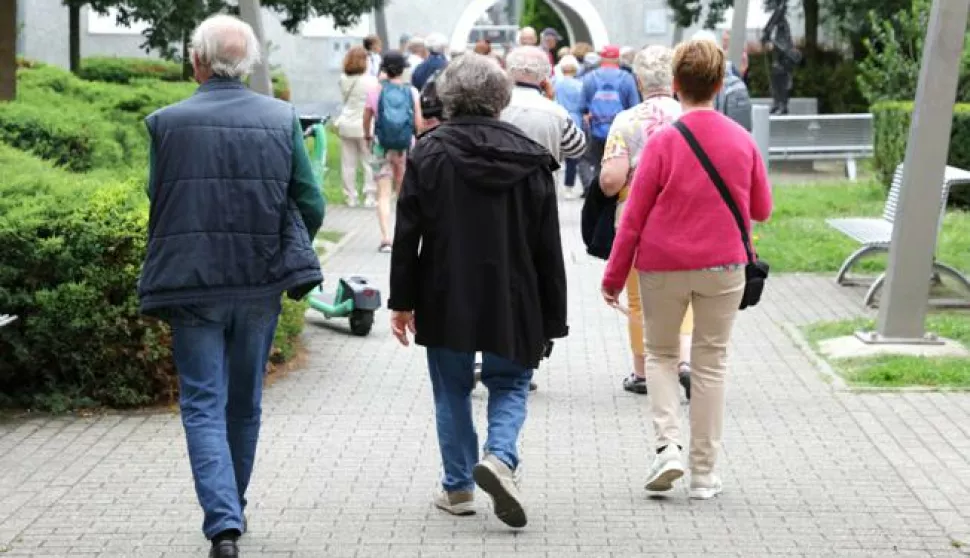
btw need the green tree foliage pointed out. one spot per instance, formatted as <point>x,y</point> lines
<point>539,15</point>
<point>851,18</point>
<point>893,54</point>
<point>688,12</point>
<point>170,22</point>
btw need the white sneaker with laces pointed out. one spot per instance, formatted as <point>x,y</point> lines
<point>705,487</point>
<point>667,467</point>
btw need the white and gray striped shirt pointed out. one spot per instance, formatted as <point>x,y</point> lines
<point>546,122</point>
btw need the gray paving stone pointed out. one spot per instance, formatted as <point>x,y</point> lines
<point>348,458</point>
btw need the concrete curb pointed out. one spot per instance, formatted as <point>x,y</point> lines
<point>835,381</point>
<point>336,247</point>
<point>839,384</point>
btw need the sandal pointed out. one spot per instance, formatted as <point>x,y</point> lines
<point>635,384</point>
<point>683,374</point>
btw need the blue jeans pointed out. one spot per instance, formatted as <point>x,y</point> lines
<point>571,166</point>
<point>221,352</point>
<point>452,380</point>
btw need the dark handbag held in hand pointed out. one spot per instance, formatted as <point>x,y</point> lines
<point>756,271</point>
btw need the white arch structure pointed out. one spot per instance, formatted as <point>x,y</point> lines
<point>583,8</point>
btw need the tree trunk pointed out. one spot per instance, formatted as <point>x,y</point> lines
<point>74,23</point>
<point>186,58</point>
<point>380,24</point>
<point>810,7</point>
<point>8,50</point>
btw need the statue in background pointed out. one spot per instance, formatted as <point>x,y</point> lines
<point>777,39</point>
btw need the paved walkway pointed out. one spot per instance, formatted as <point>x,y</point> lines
<point>348,456</point>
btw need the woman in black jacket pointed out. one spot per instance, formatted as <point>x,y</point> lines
<point>477,265</point>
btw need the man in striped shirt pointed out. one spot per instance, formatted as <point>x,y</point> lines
<point>542,120</point>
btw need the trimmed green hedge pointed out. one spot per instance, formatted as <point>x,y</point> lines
<point>83,125</point>
<point>71,247</point>
<point>891,128</point>
<point>123,70</point>
<point>66,137</point>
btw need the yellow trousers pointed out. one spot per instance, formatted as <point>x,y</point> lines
<point>635,323</point>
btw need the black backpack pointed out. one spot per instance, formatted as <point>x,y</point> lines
<point>431,105</point>
<point>598,219</point>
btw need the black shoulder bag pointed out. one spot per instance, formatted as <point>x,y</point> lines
<point>756,271</point>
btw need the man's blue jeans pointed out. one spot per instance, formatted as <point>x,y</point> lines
<point>221,352</point>
<point>452,380</point>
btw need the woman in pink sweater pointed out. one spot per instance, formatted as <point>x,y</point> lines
<point>681,237</point>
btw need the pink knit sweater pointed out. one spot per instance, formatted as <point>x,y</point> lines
<point>674,219</point>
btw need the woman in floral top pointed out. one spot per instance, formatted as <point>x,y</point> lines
<point>628,136</point>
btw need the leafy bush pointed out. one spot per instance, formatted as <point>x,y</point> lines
<point>71,248</point>
<point>830,77</point>
<point>890,70</point>
<point>64,136</point>
<point>61,108</point>
<point>125,70</point>
<point>891,122</point>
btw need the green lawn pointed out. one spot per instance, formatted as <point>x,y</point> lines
<point>332,182</point>
<point>331,237</point>
<point>797,238</point>
<point>899,371</point>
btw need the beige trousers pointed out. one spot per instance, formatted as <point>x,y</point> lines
<point>354,153</point>
<point>714,296</point>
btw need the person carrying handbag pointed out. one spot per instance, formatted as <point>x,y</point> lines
<point>354,151</point>
<point>689,233</point>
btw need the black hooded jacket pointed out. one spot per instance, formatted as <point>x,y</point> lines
<point>477,253</point>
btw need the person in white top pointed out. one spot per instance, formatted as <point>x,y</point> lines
<point>373,46</point>
<point>355,83</point>
<point>541,118</point>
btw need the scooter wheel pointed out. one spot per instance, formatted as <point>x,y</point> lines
<point>361,322</point>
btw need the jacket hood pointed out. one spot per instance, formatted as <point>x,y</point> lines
<point>489,152</point>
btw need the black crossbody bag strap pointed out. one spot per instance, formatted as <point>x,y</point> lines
<point>719,183</point>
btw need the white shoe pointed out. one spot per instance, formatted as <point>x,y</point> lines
<point>666,468</point>
<point>370,202</point>
<point>572,193</point>
<point>455,503</point>
<point>705,487</point>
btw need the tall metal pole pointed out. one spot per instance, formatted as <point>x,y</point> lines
<point>380,24</point>
<point>905,301</point>
<point>260,81</point>
<point>739,33</point>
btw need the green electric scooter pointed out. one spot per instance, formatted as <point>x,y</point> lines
<point>355,298</point>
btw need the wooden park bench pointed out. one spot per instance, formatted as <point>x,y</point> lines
<point>875,233</point>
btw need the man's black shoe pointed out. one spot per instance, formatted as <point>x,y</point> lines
<point>225,548</point>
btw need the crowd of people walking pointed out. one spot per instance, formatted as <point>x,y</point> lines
<point>477,149</point>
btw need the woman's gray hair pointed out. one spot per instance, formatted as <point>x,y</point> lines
<point>474,85</point>
<point>654,68</point>
<point>226,45</point>
<point>528,64</point>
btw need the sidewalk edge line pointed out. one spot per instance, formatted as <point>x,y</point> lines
<point>837,382</point>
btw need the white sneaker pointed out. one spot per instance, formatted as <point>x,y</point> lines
<point>705,487</point>
<point>370,202</point>
<point>455,503</point>
<point>572,193</point>
<point>666,468</point>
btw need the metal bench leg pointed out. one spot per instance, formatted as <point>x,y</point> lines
<point>852,259</point>
<point>870,299</point>
<point>953,273</point>
<point>850,169</point>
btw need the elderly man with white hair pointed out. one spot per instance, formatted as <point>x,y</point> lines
<point>233,208</point>
<point>542,119</point>
<point>436,44</point>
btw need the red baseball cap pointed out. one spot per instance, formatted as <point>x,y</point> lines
<point>610,52</point>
